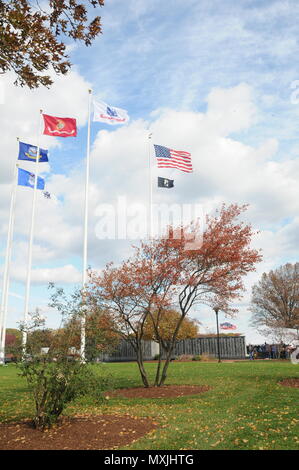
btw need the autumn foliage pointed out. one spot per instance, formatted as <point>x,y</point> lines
<point>169,318</point>
<point>101,334</point>
<point>164,274</point>
<point>275,298</point>
<point>33,36</point>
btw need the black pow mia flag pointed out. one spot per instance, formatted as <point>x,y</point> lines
<point>165,182</point>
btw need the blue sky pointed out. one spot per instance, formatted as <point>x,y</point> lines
<point>211,77</point>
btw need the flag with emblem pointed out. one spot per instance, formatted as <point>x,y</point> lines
<point>25,178</point>
<point>109,114</point>
<point>169,158</point>
<point>165,182</point>
<point>29,152</point>
<point>59,127</point>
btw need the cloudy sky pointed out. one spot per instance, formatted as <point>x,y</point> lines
<point>217,79</point>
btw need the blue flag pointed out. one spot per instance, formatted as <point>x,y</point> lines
<point>25,178</point>
<point>29,152</point>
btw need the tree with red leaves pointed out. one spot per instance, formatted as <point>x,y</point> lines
<point>132,293</point>
<point>166,273</point>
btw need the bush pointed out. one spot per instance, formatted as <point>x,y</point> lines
<point>206,357</point>
<point>51,363</point>
<point>55,384</point>
<point>197,357</point>
<point>185,357</point>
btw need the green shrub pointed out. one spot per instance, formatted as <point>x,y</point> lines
<point>54,384</point>
<point>197,357</point>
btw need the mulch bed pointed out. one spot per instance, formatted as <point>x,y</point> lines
<point>80,433</point>
<point>167,391</point>
<point>290,382</point>
<point>92,432</point>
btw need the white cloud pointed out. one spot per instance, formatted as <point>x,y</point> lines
<point>231,109</point>
<point>67,274</point>
<point>164,62</point>
<point>225,170</point>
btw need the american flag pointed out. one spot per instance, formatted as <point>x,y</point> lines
<point>169,158</point>
<point>227,326</point>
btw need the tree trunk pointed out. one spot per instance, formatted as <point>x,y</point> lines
<point>165,367</point>
<point>141,366</point>
<point>170,350</point>
<point>158,366</point>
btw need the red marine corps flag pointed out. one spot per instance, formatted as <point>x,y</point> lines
<point>59,127</point>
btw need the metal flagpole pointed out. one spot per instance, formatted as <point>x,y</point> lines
<point>29,265</point>
<point>150,230</point>
<point>85,242</point>
<point>5,286</point>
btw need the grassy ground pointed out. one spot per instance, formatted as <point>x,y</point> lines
<point>246,408</point>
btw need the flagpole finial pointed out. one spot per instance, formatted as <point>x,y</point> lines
<point>41,111</point>
<point>90,91</point>
<point>150,135</point>
<point>18,138</point>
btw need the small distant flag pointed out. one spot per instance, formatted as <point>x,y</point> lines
<point>227,326</point>
<point>29,152</point>
<point>165,182</point>
<point>109,114</point>
<point>59,127</point>
<point>169,158</point>
<point>25,178</point>
<point>47,195</point>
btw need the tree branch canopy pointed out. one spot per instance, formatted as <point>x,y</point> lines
<point>275,298</point>
<point>32,39</point>
<point>164,274</point>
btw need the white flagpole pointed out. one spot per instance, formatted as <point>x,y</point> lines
<point>85,240</point>
<point>150,230</point>
<point>29,264</point>
<point>5,286</point>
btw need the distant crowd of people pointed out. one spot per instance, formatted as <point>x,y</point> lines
<point>269,351</point>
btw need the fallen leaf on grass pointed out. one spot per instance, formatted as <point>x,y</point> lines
<point>215,444</point>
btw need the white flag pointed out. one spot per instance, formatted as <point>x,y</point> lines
<point>109,114</point>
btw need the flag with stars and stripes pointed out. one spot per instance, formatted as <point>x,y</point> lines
<point>227,326</point>
<point>169,158</point>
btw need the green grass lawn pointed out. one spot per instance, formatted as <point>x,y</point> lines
<point>246,408</point>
